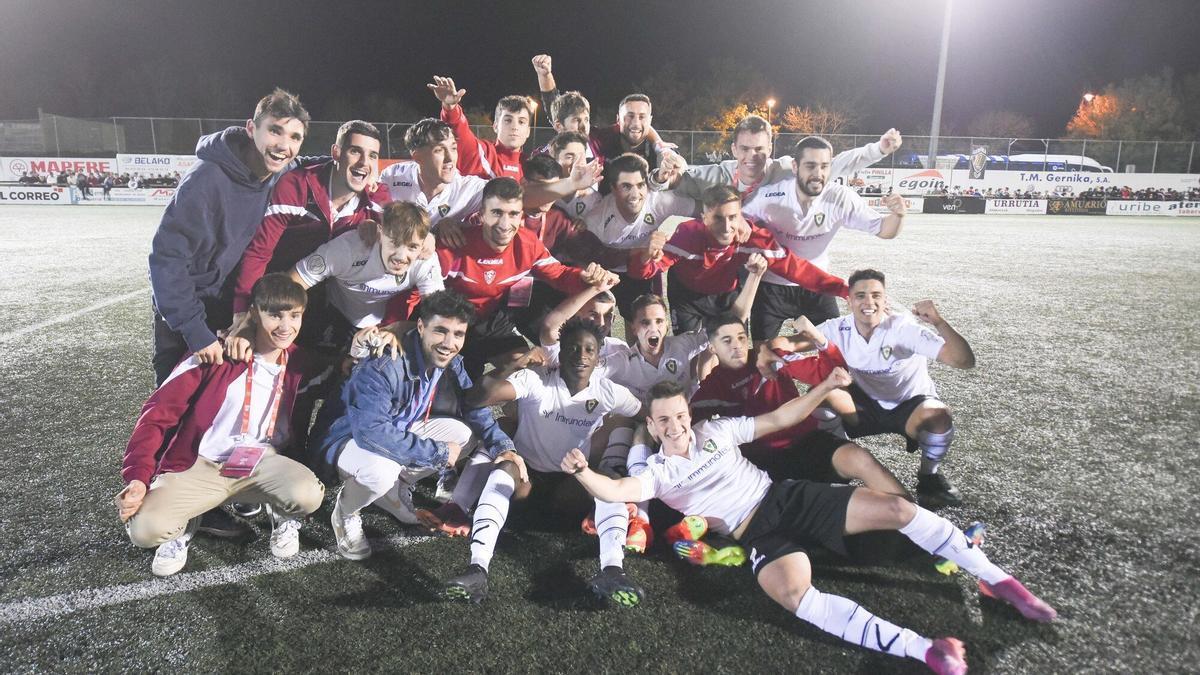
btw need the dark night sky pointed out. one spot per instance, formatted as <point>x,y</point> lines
<point>1032,56</point>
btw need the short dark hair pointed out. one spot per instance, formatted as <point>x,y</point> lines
<point>542,167</point>
<point>360,127</point>
<point>714,323</point>
<point>580,325</point>
<point>635,98</point>
<point>626,163</point>
<point>561,141</point>
<point>403,222</point>
<point>646,300</point>
<point>514,104</point>
<point>446,304</point>
<point>717,195</point>
<point>567,104</point>
<point>425,133</point>
<point>503,188</point>
<point>276,292</point>
<point>281,105</point>
<point>665,389</point>
<point>814,142</point>
<point>752,124</point>
<point>861,275</point>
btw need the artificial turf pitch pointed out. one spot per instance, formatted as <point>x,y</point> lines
<point>1076,444</point>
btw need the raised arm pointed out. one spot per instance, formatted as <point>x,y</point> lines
<point>543,66</point>
<point>794,411</point>
<point>757,267</point>
<point>956,352</point>
<point>582,177</point>
<point>628,489</point>
<point>566,309</point>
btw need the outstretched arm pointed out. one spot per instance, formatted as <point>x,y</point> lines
<point>794,411</point>
<point>757,267</point>
<point>956,352</point>
<point>582,177</point>
<point>601,487</point>
<point>566,309</point>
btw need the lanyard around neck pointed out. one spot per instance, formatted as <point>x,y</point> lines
<point>277,395</point>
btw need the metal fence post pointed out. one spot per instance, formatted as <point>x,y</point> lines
<point>1154,159</point>
<point>1118,167</point>
<point>153,138</point>
<point>200,123</point>
<point>116,135</point>
<point>692,146</point>
<point>1191,151</point>
<point>57,147</point>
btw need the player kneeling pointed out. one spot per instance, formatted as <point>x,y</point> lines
<point>211,434</point>
<point>701,471</point>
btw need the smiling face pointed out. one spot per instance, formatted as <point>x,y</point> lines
<point>600,311</point>
<point>724,222</point>
<point>441,339</point>
<point>577,358</point>
<point>356,164</point>
<point>731,345</point>
<point>634,121</point>
<point>629,189</point>
<point>276,142</point>
<point>398,256</point>
<point>812,170</point>
<point>868,300</point>
<point>670,422</point>
<point>276,329</point>
<point>650,325</point>
<point>436,162</point>
<point>752,150</point>
<point>500,219</point>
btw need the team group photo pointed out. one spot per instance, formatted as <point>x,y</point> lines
<point>494,338</point>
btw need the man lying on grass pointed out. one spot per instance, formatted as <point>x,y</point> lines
<point>700,471</point>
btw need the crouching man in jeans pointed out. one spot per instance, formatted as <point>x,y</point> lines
<point>210,433</point>
<point>402,419</point>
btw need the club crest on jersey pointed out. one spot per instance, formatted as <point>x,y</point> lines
<point>315,264</point>
<point>649,219</point>
<point>591,405</point>
<point>886,351</point>
<point>579,207</point>
<point>672,366</point>
<point>710,445</point>
<point>819,219</point>
<point>445,208</point>
<point>489,276</point>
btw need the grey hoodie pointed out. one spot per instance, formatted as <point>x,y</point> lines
<point>204,231</point>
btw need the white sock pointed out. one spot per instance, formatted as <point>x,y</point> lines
<point>612,525</point>
<point>471,482</point>
<point>490,514</point>
<point>851,622</point>
<point>616,453</point>
<point>636,463</point>
<point>940,537</point>
<point>933,448</point>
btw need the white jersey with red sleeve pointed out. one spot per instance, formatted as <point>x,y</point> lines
<point>893,366</point>
<point>484,275</point>
<point>808,234</point>
<point>604,220</point>
<point>628,367</point>
<point>551,421</point>
<point>714,480</point>
<point>361,284</point>
<point>460,198</point>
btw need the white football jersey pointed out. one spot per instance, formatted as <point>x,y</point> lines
<point>602,218</point>
<point>893,366</point>
<point>808,235</point>
<point>460,198</point>
<point>550,421</point>
<point>361,284</point>
<point>224,434</point>
<point>714,480</point>
<point>629,368</point>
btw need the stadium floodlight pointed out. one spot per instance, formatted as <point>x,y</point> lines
<point>1088,97</point>
<point>931,158</point>
<point>770,107</point>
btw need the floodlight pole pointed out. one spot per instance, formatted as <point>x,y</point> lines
<point>941,86</point>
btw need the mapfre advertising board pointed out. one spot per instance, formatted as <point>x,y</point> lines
<point>34,194</point>
<point>154,165</point>
<point>12,168</point>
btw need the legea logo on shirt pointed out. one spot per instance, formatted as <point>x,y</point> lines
<point>773,194</point>
<point>490,261</point>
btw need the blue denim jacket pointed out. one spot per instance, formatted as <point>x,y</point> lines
<point>373,402</point>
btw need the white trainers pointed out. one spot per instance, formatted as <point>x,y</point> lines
<point>171,556</point>
<point>399,502</point>
<point>285,535</point>
<point>352,544</point>
<point>445,487</point>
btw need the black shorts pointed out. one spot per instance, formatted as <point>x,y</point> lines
<point>794,516</point>
<point>689,309</point>
<point>774,304</point>
<point>629,289</point>
<point>488,338</point>
<point>874,419</point>
<point>809,457</point>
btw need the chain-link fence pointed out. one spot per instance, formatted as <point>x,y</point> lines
<point>53,135</point>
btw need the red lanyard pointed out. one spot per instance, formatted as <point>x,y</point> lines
<point>278,395</point>
<point>541,229</point>
<point>753,186</point>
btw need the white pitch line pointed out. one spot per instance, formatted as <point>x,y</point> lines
<point>71,315</point>
<point>94,598</point>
